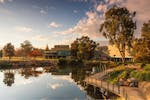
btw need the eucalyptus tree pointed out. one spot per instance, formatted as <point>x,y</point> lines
<point>141,46</point>
<point>118,27</point>
<point>8,50</point>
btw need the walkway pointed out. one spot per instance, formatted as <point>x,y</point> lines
<point>128,93</point>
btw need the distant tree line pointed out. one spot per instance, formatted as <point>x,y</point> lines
<point>26,50</point>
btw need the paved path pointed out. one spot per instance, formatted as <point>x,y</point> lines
<point>128,93</point>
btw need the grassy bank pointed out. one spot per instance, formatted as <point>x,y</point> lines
<point>139,72</point>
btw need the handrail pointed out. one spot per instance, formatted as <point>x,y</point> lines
<point>110,87</point>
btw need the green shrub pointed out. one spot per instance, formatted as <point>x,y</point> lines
<point>147,67</point>
<point>142,65</point>
<point>5,65</point>
<point>141,75</point>
<point>62,62</point>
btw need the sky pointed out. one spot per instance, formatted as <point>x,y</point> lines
<point>55,22</point>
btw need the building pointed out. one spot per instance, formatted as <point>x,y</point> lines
<point>114,54</point>
<point>59,51</point>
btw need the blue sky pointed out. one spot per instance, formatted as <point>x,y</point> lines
<point>54,22</point>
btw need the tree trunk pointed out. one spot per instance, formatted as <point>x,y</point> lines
<point>123,53</point>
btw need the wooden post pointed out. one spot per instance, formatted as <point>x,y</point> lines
<point>107,85</point>
<point>113,87</point>
<point>118,89</point>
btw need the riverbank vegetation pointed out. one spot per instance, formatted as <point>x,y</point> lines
<point>139,72</point>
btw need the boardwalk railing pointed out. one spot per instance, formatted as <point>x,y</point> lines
<point>120,91</point>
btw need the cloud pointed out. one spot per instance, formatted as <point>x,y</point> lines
<point>23,29</point>
<point>88,26</point>
<point>101,8</point>
<point>40,38</point>
<point>79,0</point>
<point>55,86</point>
<point>141,7</point>
<point>3,1</point>
<point>54,25</point>
<point>43,11</point>
<point>75,11</point>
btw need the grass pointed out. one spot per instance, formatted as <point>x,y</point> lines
<point>25,59</point>
<point>142,74</point>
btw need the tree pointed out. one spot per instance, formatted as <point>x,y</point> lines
<point>119,28</point>
<point>35,53</point>
<point>47,48</point>
<point>141,46</point>
<point>83,48</point>
<point>18,53</point>
<point>8,50</point>
<point>26,47</point>
<point>1,53</point>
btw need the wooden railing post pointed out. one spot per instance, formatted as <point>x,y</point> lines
<point>107,85</point>
<point>113,88</point>
<point>118,89</point>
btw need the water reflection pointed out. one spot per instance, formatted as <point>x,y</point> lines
<point>46,83</point>
<point>9,77</point>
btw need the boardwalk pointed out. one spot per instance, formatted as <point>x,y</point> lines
<point>128,93</point>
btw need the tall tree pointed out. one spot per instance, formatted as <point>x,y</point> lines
<point>83,48</point>
<point>119,28</point>
<point>141,46</point>
<point>26,47</point>
<point>47,48</point>
<point>8,50</point>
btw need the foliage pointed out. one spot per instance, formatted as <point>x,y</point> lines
<point>8,50</point>
<point>147,67</point>
<point>141,76</point>
<point>119,28</point>
<point>26,47</point>
<point>62,62</point>
<point>18,53</point>
<point>5,65</point>
<point>47,48</point>
<point>35,53</point>
<point>83,48</point>
<point>141,51</point>
<point>70,62</point>
<point>1,53</point>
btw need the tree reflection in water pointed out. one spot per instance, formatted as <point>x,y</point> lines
<point>78,74</point>
<point>9,77</point>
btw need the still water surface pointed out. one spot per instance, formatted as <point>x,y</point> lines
<point>39,84</point>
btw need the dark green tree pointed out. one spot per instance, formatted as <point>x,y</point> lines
<point>1,53</point>
<point>26,48</point>
<point>83,48</point>
<point>8,50</point>
<point>119,28</point>
<point>141,46</point>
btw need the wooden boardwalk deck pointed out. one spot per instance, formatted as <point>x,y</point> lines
<point>128,93</point>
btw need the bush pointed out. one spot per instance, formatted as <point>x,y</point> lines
<point>142,65</point>
<point>74,62</point>
<point>141,76</point>
<point>147,67</point>
<point>62,62</point>
<point>5,65</point>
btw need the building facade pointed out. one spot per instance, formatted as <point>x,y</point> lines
<point>59,51</point>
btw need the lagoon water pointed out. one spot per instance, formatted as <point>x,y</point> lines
<point>39,84</point>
